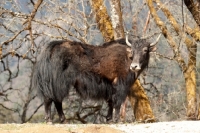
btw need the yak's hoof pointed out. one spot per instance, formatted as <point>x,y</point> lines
<point>64,121</point>
<point>108,118</point>
<point>110,121</point>
<point>49,122</point>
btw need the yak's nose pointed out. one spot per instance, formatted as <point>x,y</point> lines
<point>135,67</point>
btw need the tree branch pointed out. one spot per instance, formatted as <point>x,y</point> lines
<point>167,35</point>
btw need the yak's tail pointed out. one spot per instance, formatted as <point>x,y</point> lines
<point>43,78</point>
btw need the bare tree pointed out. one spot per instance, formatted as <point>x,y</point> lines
<point>188,70</point>
<point>194,8</point>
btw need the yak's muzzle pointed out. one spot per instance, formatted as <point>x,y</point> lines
<point>135,67</point>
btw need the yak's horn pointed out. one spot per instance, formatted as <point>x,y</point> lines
<point>127,42</point>
<point>155,42</point>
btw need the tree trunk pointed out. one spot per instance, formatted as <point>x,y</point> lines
<point>140,104</point>
<point>103,20</point>
<point>194,8</point>
<point>188,70</point>
<point>190,81</point>
<point>190,75</point>
<point>116,19</point>
<point>142,109</point>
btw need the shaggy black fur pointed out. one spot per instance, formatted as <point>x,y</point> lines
<point>96,72</point>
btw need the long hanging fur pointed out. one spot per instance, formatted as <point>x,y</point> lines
<point>95,72</point>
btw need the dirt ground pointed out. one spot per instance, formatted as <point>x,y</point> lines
<point>44,128</point>
<point>159,127</point>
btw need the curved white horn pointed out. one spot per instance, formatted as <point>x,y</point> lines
<point>155,42</point>
<point>127,42</point>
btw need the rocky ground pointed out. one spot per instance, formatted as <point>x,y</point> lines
<point>160,127</point>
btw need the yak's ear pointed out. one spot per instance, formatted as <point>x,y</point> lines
<point>152,48</point>
<point>128,50</point>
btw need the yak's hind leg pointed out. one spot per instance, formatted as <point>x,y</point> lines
<point>47,107</point>
<point>110,110</point>
<point>60,111</point>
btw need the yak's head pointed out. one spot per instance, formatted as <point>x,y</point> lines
<point>139,53</point>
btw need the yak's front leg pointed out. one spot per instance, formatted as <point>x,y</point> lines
<point>117,102</point>
<point>47,107</point>
<point>118,99</point>
<point>110,110</point>
<point>60,111</point>
<point>117,114</point>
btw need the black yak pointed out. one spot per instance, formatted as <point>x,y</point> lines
<point>103,72</point>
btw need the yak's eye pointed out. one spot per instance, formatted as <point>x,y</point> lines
<point>145,49</point>
<point>131,58</point>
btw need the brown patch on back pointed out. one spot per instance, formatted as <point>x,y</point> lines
<point>113,62</point>
<point>109,61</point>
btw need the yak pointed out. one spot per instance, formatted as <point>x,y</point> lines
<point>104,72</point>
